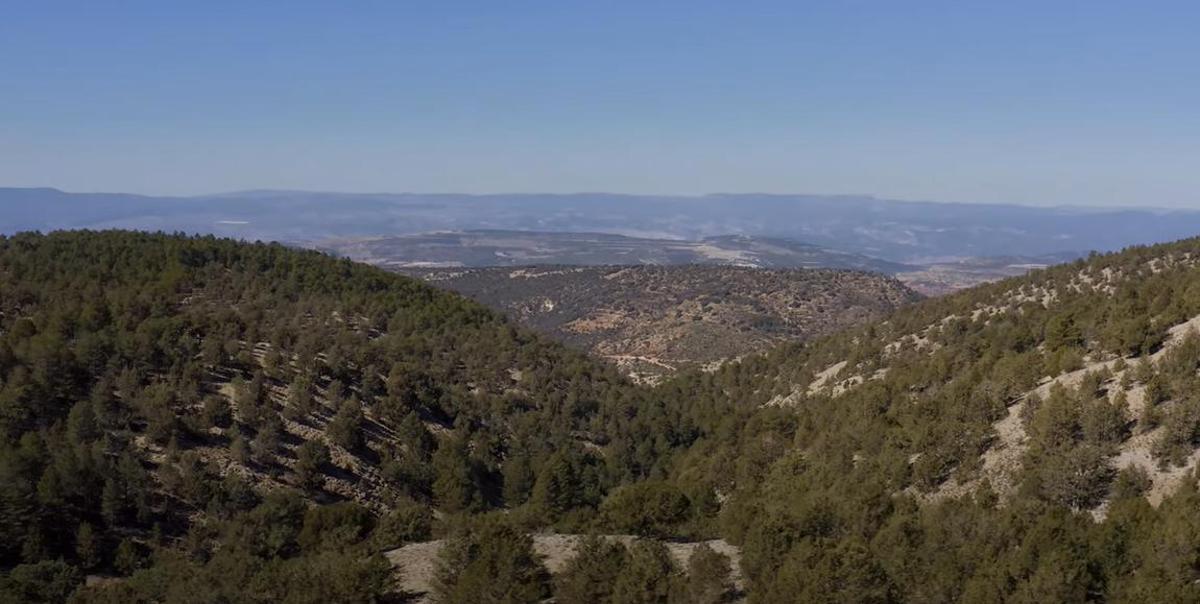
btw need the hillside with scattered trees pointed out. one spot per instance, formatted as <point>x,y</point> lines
<point>1027,441</point>
<point>198,420</point>
<point>172,407</point>
<point>653,321</point>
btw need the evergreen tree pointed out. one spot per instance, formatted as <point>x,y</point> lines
<point>407,522</point>
<point>454,488</point>
<point>267,442</point>
<point>311,458</point>
<point>492,563</point>
<point>591,573</point>
<point>216,412</point>
<point>346,427</point>
<point>649,576</point>
<point>518,478</point>
<point>708,576</point>
<point>127,558</point>
<point>648,509</point>
<point>300,402</point>
<point>87,546</point>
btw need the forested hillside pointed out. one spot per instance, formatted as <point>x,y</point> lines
<point>187,396</point>
<point>1029,441</point>
<point>199,420</point>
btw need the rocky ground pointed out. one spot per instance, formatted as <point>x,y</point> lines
<point>654,320</point>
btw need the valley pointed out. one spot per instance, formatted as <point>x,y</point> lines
<point>480,249</point>
<point>484,249</point>
<point>895,231</point>
<point>599,303</point>
<point>192,414</point>
<point>653,321</point>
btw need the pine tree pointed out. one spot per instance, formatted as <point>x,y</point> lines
<point>454,488</point>
<point>250,398</point>
<point>267,442</point>
<point>518,478</point>
<point>557,489</point>
<point>112,504</point>
<point>649,577</point>
<point>415,436</point>
<point>708,576</point>
<point>407,522</point>
<point>492,563</point>
<point>311,457</point>
<point>216,412</point>
<point>300,398</point>
<point>346,427</point>
<point>127,557</point>
<point>81,423</point>
<point>238,449</point>
<point>591,573</point>
<point>87,547</point>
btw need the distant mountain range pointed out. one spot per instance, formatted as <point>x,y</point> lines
<point>897,231</point>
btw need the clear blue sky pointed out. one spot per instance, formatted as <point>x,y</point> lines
<point>1028,102</point>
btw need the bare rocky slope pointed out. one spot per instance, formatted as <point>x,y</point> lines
<point>655,320</point>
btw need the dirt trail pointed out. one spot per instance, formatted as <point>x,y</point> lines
<point>418,561</point>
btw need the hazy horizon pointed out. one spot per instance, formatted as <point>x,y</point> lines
<point>1022,103</point>
<point>633,194</point>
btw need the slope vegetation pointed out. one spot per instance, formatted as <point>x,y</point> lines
<point>194,397</point>
<point>192,419</point>
<point>1031,440</point>
<point>654,320</point>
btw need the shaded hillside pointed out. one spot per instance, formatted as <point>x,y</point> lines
<point>192,397</point>
<point>653,320</point>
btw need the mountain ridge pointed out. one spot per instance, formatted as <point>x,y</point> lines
<point>194,415</point>
<point>894,230</point>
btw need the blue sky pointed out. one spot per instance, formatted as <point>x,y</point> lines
<point>1092,103</point>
